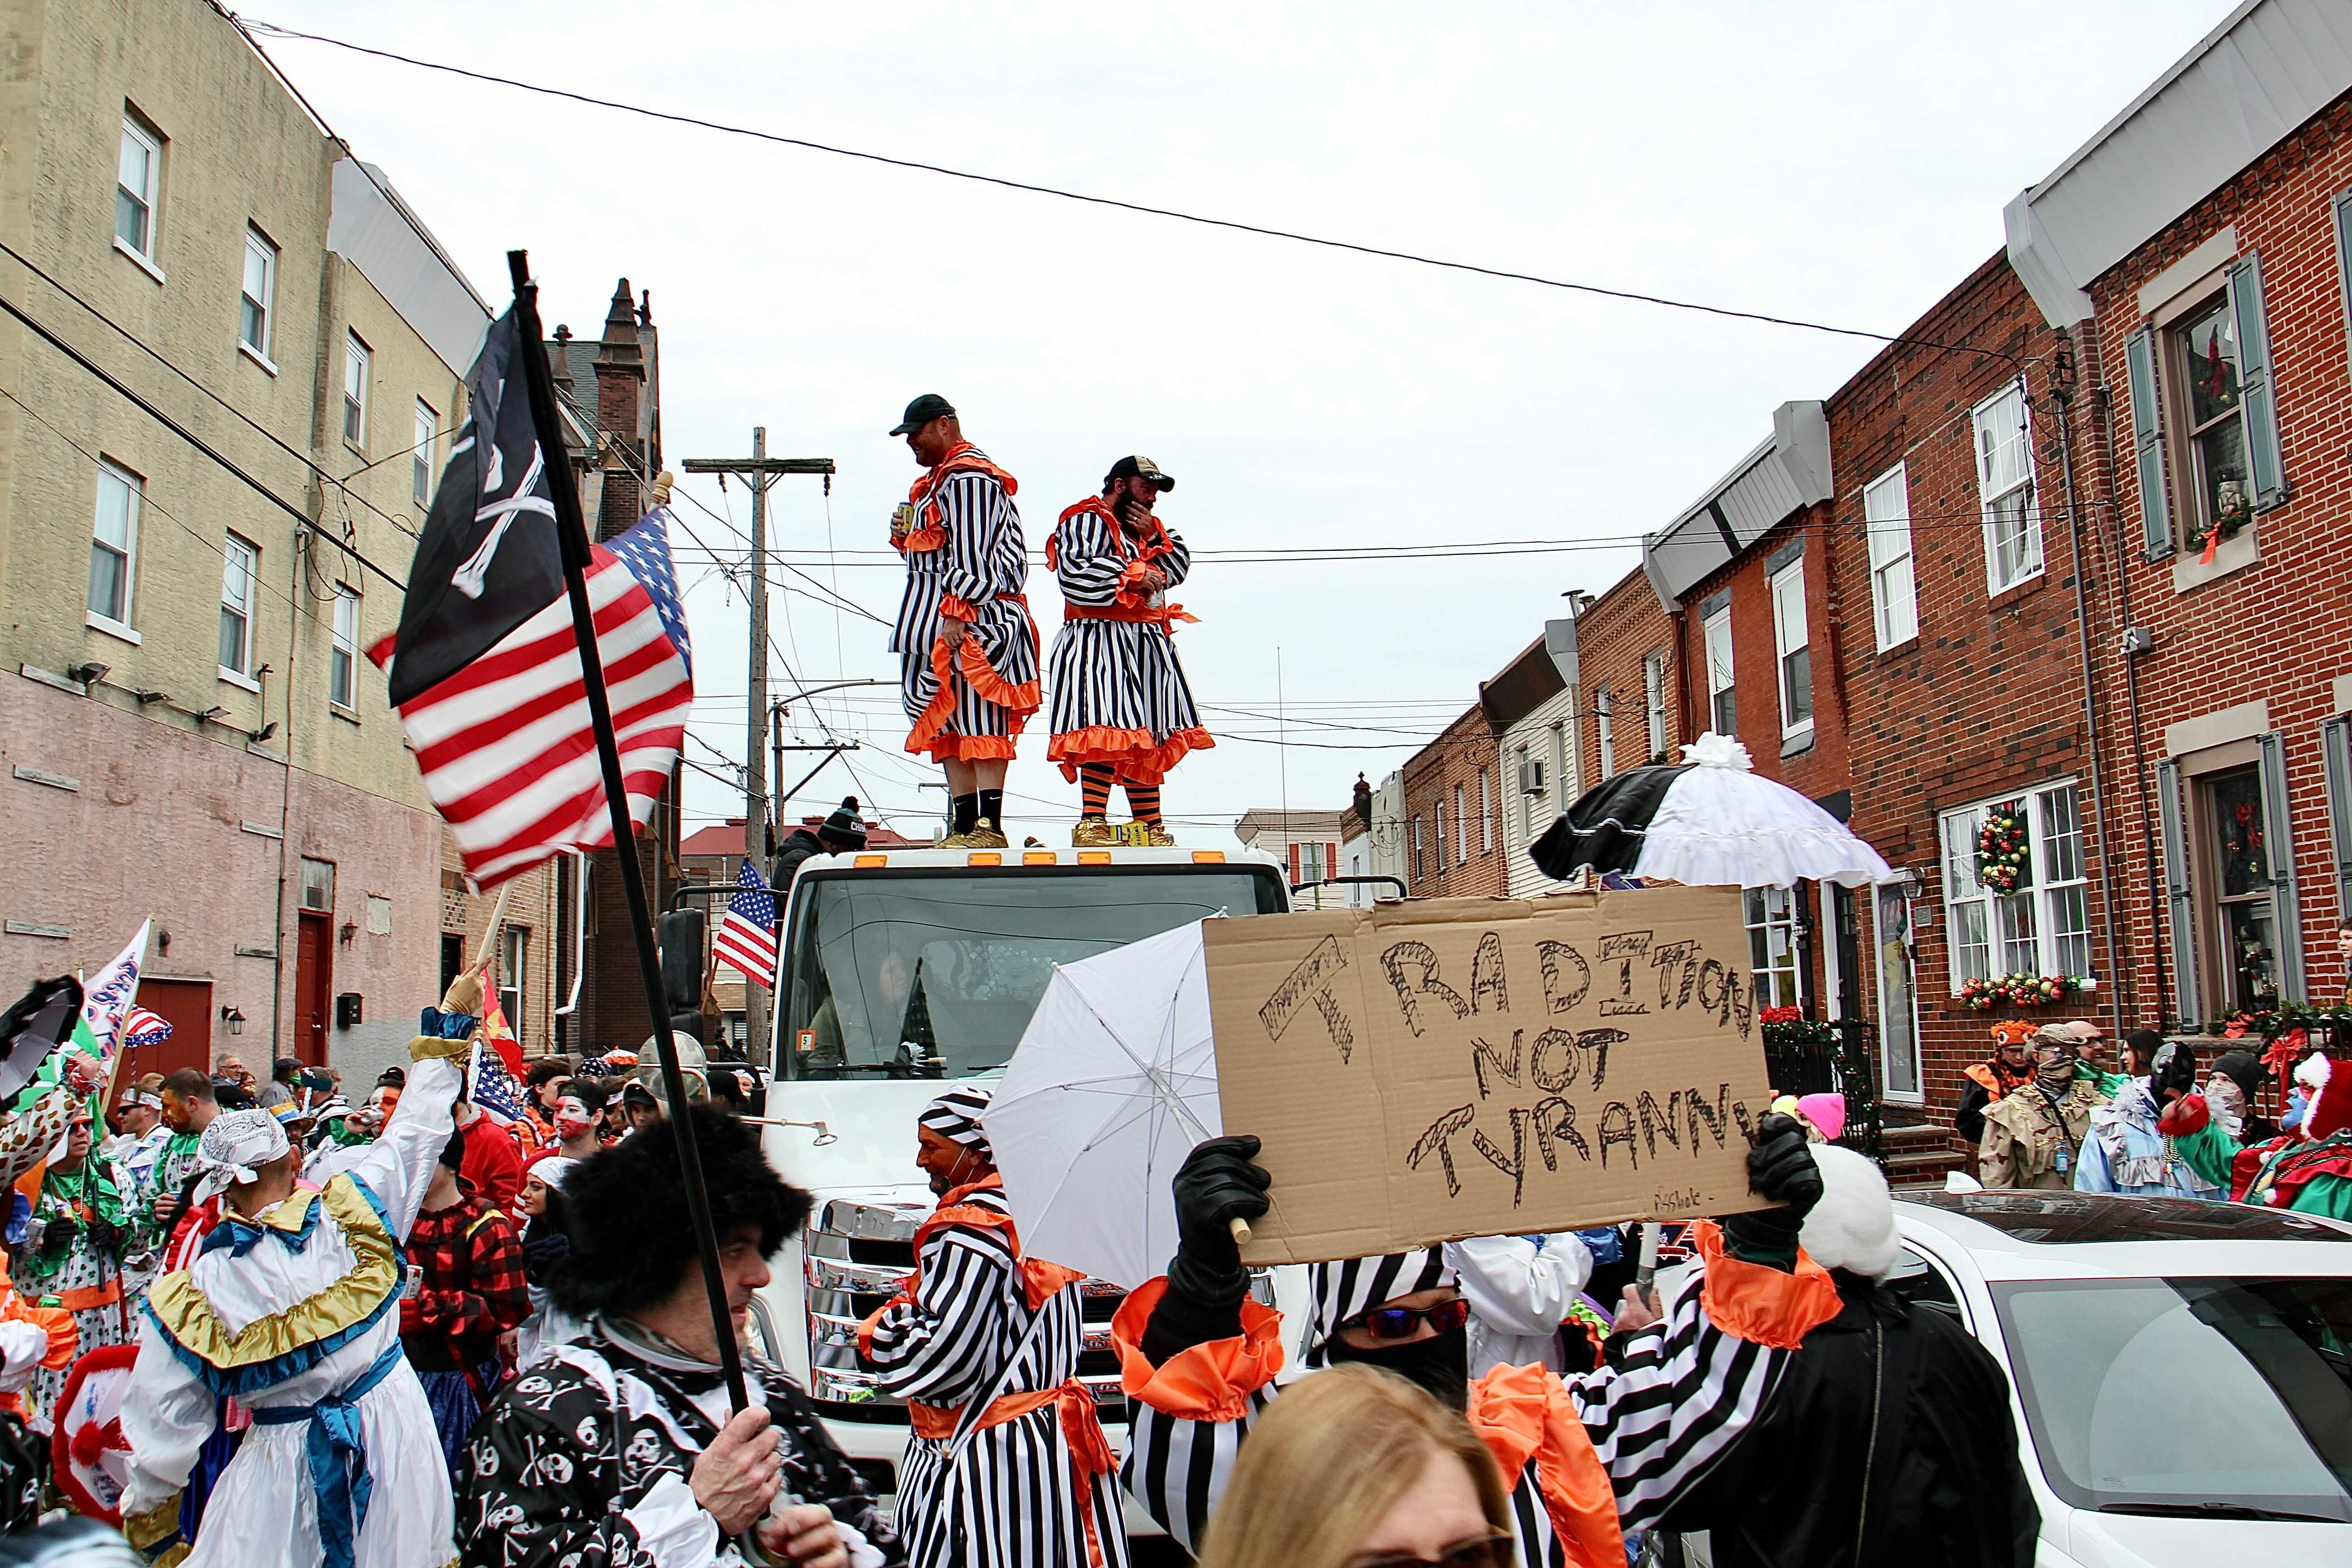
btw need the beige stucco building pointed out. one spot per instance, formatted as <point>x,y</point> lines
<point>188,724</point>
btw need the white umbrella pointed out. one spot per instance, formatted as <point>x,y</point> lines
<point>1113,1083</point>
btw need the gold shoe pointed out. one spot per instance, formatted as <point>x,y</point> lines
<point>1093,833</point>
<point>985,835</point>
<point>1156,835</point>
<point>954,841</point>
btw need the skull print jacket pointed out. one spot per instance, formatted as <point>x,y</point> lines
<point>584,1461</point>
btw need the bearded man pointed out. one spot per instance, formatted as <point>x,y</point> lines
<point>2033,1134</point>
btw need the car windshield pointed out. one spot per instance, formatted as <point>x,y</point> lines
<point>934,974</point>
<point>2214,1395</point>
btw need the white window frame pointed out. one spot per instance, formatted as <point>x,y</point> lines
<point>428,430</point>
<point>1437,823</point>
<point>1788,603</point>
<point>514,961</point>
<point>1759,914</point>
<point>357,366</point>
<point>128,550</point>
<point>1461,826</point>
<point>1970,906</point>
<point>343,656</point>
<point>1485,813</point>
<point>1654,698</point>
<point>1416,846</point>
<point>240,559</point>
<point>1716,629</point>
<point>1604,730</point>
<point>2002,431</point>
<point>1893,584</point>
<point>150,199</point>
<point>258,248</point>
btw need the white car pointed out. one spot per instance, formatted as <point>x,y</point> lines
<point>2181,1372</point>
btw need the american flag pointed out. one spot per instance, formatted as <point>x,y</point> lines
<point>145,1028</point>
<point>492,1088</point>
<point>484,668</point>
<point>747,937</point>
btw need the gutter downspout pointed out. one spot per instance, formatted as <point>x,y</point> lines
<point>2061,391</point>
<point>2102,410</point>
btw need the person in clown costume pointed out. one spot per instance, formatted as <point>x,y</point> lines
<point>75,1250</point>
<point>2310,1169</point>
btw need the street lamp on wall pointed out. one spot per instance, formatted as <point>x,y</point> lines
<point>233,1018</point>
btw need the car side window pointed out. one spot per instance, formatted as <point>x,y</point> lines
<point>1922,1282</point>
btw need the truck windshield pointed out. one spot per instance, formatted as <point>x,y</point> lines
<point>2104,1367</point>
<point>934,974</point>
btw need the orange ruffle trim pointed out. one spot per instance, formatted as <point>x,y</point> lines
<point>916,541</point>
<point>1759,1303</point>
<point>1020,701</point>
<point>1207,1382</point>
<point>1524,1413</point>
<point>1133,752</point>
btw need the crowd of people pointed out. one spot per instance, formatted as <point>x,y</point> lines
<point>2048,1109</point>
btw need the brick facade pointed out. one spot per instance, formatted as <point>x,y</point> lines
<point>1442,790</point>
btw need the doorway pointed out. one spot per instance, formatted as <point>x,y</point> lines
<point>187,1007</point>
<point>314,984</point>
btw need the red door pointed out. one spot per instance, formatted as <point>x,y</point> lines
<point>187,1007</point>
<point>314,987</point>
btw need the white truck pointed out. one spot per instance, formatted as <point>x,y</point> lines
<point>903,971</point>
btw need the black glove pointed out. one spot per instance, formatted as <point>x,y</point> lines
<point>1780,1167</point>
<point>57,1239</point>
<point>1206,1282</point>
<point>104,1235</point>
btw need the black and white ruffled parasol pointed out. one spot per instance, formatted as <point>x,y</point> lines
<point>1711,821</point>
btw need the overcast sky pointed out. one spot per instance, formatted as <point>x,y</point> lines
<point>1845,164</point>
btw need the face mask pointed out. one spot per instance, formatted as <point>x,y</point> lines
<point>2228,1103</point>
<point>1441,1364</point>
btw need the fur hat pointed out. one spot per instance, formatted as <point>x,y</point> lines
<point>2331,1096</point>
<point>626,1206</point>
<point>1853,1226</point>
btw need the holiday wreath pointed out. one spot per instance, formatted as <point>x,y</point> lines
<point>2002,859</point>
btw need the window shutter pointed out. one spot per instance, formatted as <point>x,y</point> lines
<point>2255,380</point>
<point>2286,908</point>
<point>2335,753</point>
<point>1294,865</point>
<point>2147,444</point>
<point>1331,859</point>
<point>2177,899</point>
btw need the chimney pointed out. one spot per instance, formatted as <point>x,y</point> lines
<point>1364,801</point>
<point>620,382</point>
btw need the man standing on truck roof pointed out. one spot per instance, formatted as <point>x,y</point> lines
<point>1008,1466</point>
<point>1121,708</point>
<point>966,647</point>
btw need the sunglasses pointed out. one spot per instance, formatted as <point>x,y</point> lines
<point>1492,1549</point>
<point>1400,1322</point>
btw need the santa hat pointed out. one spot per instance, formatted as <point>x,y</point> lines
<point>2331,1097</point>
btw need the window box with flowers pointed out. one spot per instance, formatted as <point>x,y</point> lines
<point>2017,899</point>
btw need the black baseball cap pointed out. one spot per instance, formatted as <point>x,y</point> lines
<point>921,411</point>
<point>1139,469</point>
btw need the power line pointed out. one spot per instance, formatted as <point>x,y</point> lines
<point>1629,296</point>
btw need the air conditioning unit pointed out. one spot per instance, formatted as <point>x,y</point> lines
<point>1531,780</point>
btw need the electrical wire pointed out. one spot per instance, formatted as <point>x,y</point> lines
<point>249,24</point>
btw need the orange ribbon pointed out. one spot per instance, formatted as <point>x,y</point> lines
<point>1524,1413</point>
<point>1090,1454</point>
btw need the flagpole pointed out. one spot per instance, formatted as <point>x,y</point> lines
<point>571,530</point>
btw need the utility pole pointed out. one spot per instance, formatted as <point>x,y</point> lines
<point>761,471</point>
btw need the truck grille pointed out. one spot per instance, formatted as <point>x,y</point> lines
<point>856,1255</point>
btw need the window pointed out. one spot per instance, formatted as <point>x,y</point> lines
<point>428,426</point>
<point>1437,816</point>
<point>1310,863</point>
<point>1567,782</point>
<point>1461,828</point>
<point>1486,813</point>
<point>1898,1005</point>
<point>114,545</point>
<point>343,661</point>
<point>2012,523</point>
<point>1605,725</point>
<point>2244,918</point>
<point>1790,642</point>
<point>2202,352</point>
<point>1653,700</point>
<point>355,390</point>
<point>238,564</point>
<point>2043,926</point>
<point>138,179</point>
<point>1771,944</point>
<point>514,963</point>
<point>317,884</point>
<point>260,292</point>
<point>1416,849</point>
<point>1722,701</point>
<point>1894,591</point>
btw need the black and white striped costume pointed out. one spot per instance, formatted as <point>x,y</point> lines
<point>1687,1389</point>
<point>1120,694</point>
<point>961,535</point>
<point>1006,1495</point>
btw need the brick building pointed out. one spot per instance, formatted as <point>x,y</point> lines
<point>1454,841</point>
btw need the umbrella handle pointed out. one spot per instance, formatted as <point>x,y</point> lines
<point>1240,1227</point>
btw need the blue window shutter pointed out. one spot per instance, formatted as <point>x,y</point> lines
<point>2286,910</point>
<point>2147,443</point>
<point>2179,900</point>
<point>2335,756</point>
<point>2260,397</point>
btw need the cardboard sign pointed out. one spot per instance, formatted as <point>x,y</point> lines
<point>1424,1071</point>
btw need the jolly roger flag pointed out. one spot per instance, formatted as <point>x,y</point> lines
<point>485,669</point>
